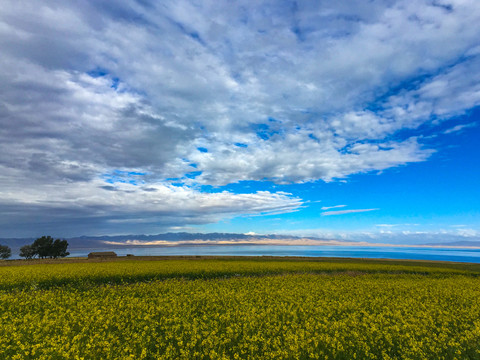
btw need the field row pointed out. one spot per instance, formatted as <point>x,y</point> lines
<point>85,274</point>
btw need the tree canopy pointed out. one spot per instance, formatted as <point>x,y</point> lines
<point>45,247</point>
<point>5,252</point>
<point>27,252</point>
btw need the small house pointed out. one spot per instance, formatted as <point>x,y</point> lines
<point>102,255</point>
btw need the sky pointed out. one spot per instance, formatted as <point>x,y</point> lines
<point>347,120</point>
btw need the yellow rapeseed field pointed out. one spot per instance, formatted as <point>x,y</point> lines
<point>239,309</point>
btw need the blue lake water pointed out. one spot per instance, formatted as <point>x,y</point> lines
<point>373,252</point>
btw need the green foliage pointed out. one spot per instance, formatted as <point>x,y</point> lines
<point>59,248</point>
<point>28,252</point>
<point>44,247</point>
<point>5,252</point>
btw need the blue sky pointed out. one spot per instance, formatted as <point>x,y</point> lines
<point>343,120</point>
<point>439,197</point>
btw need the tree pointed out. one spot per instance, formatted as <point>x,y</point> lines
<point>44,247</point>
<point>59,248</point>
<point>5,252</point>
<point>27,251</point>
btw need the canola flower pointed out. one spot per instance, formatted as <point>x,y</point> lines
<point>44,276</point>
<point>364,311</point>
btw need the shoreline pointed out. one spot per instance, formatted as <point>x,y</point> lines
<point>121,258</point>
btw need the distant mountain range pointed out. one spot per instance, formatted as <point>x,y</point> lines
<point>184,238</point>
<point>92,242</point>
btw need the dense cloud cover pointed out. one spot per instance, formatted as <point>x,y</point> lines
<point>114,114</point>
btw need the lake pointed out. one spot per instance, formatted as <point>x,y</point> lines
<point>372,252</point>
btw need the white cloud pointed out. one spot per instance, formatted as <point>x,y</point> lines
<point>126,206</point>
<point>458,128</point>
<point>332,207</point>
<point>272,91</point>
<point>342,212</point>
<point>412,236</point>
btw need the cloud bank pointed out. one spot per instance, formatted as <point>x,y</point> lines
<point>174,95</point>
<point>396,235</point>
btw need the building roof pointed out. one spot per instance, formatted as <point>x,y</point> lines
<point>103,253</point>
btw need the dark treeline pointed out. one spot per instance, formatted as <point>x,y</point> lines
<point>45,247</point>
